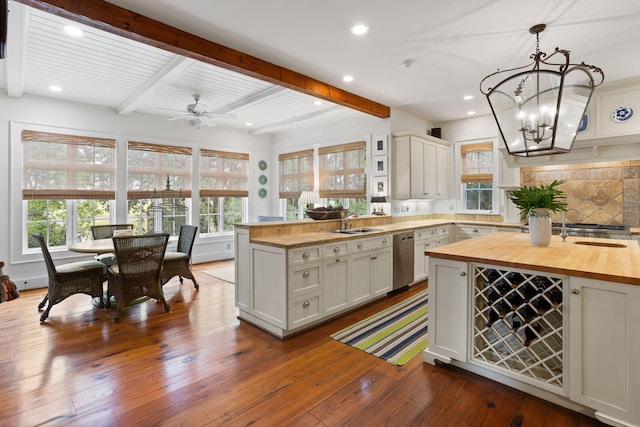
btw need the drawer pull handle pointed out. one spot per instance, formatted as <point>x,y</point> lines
<point>306,274</point>
<point>305,255</point>
<point>575,291</point>
<point>475,230</point>
<point>336,249</point>
<point>462,273</point>
<point>359,245</point>
<point>426,245</point>
<point>306,304</point>
<point>374,257</point>
<point>384,241</point>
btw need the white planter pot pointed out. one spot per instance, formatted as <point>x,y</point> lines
<point>540,227</point>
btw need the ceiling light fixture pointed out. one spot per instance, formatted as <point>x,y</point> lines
<point>468,97</point>
<point>471,113</point>
<point>54,88</point>
<point>317,102</point>
<point>347,79</point>
<point>539,110</point>
<point>359,29</point>
<point>73,31</point>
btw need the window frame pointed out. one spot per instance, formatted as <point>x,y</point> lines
<point>462,192</point>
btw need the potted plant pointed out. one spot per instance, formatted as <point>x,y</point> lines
<point>536,203</point>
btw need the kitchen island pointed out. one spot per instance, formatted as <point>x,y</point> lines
<point>560,322</point>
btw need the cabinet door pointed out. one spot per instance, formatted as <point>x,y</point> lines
<point>420,260</point>
<point>417,167</point>
<point>448,311</point>
<point>335,291</point>
<point>604,347</point>
<point>242,261</point>
<point>430,171</point>
<point>401,173</point>
<point>360,277</point>
<point>382,271</point>
<point>268,284</point>
<point>442,172</point>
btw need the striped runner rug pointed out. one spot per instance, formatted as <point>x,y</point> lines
<point>395,334</point>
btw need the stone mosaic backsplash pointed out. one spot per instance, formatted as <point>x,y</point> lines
<point>605,193</point>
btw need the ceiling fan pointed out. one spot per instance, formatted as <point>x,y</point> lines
<point>198,114</point>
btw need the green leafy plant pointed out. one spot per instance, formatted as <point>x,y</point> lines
<point>542,196</point>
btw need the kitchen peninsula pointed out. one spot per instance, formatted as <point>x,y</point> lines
<point>559,322</point>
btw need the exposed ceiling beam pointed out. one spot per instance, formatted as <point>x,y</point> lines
<point>253,100</point>
<point>116,20</point>
<point>174,68</point>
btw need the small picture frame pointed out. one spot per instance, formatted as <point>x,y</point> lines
<point>380,186</point>
<point>380,166</point>
<point>380,145</point>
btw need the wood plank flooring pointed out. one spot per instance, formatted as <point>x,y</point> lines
<point>200,365</point>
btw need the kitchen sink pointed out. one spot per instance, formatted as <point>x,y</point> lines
<point>601,244</point>
<point>354,231</point>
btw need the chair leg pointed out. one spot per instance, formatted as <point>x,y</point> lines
<point>44,315</point>
<point>44,301</point>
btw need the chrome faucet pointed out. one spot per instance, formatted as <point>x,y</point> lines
<point>343,217</point>
<point>563,231</point>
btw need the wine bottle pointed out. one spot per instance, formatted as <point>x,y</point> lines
<point>541,305</point>
<point>529,335</point>
<point>529,292</point>
<point>515,300</point>
<point>493,317</point>
<point>527,313</point>
<point>555,295</point>
<point>502,287</point>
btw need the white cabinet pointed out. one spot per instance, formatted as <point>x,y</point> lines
<point>604,348</point>
<point>448,310</point>
<point>335,289</point>
<point>243,278</point>
<point>464,232</point>
<point>420,167</point>
<point>425,239</point>
<point>370,268</point>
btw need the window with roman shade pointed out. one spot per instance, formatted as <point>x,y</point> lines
<point>296,173</point>
<point>61,166</point>
<point>223,174</point>
<point>477,162</point>
<point>153,167</point>
<point>342,171</point>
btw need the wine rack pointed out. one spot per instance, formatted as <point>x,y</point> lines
<point>518,323</point>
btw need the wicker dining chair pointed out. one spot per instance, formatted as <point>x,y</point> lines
<point>178,262</point>
<point>106,231</point>
<point>84,277</point>
<point>138,270</point>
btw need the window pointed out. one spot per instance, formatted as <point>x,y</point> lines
<point>296,175</point>
<point>68,185</point>
<point>477,176</point>
<point>158,187</point>
<point>342,176</point>
<point>223,190</point>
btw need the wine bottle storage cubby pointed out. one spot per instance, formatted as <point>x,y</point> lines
<point>518,322</point>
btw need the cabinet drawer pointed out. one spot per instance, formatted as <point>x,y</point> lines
<point>444,231</point>
<point>305,309</point>
<point>361,245</point>
<point>332,250</point>
<point>304,279</point>
<point>470,231</point>
<point>425,233</point>
<point>305,255</point>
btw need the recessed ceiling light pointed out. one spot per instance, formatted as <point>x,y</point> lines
<point>55,88</point>
<point>468,97</point>
<point>471,113</point>
<point>73,31</point>
<point>347,79</point>
<point>248,124</point>
<point>359,29</point>
<point>317,102</point>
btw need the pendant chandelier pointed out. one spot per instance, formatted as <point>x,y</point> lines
<point>173,202</point>
<point>539,110</point>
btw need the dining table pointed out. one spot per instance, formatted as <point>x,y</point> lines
<point>100,246</point>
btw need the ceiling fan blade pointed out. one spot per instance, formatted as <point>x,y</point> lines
<point>184,116</point>
<point>220,116</point>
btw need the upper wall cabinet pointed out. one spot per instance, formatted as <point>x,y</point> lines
<point>420,167</point>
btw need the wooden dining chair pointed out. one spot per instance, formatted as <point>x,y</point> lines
<point>178,262</point>
<point>84,277</point>
<point>138,270</point>
<point>106,231</point>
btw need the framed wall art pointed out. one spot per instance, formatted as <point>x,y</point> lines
<point>380,166</point>
<point>379,186</point>
<point>380,145</point>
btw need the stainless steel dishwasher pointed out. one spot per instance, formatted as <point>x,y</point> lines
<point>402,259</point>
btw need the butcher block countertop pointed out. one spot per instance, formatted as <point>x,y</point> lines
<point>619,262</point>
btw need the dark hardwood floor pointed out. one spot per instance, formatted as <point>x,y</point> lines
<point>200,365</point>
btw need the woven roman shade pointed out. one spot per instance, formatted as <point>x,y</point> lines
<point>342,171</point>
<point>296,173</point>
<point>477,162</point>
<point>223,174</point>
<point>148,168</point>
<point>61,166</point>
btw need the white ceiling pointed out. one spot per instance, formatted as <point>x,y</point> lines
<point>452,45</point>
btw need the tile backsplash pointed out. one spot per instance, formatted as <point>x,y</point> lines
<point>605,193</point>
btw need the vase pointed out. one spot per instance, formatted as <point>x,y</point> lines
<point>540,227</point>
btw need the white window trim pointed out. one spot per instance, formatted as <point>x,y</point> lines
<point>460,206</point>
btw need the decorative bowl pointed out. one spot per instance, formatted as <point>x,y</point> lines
<point>324,213</point>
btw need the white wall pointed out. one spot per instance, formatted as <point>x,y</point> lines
<point>44,113</point>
